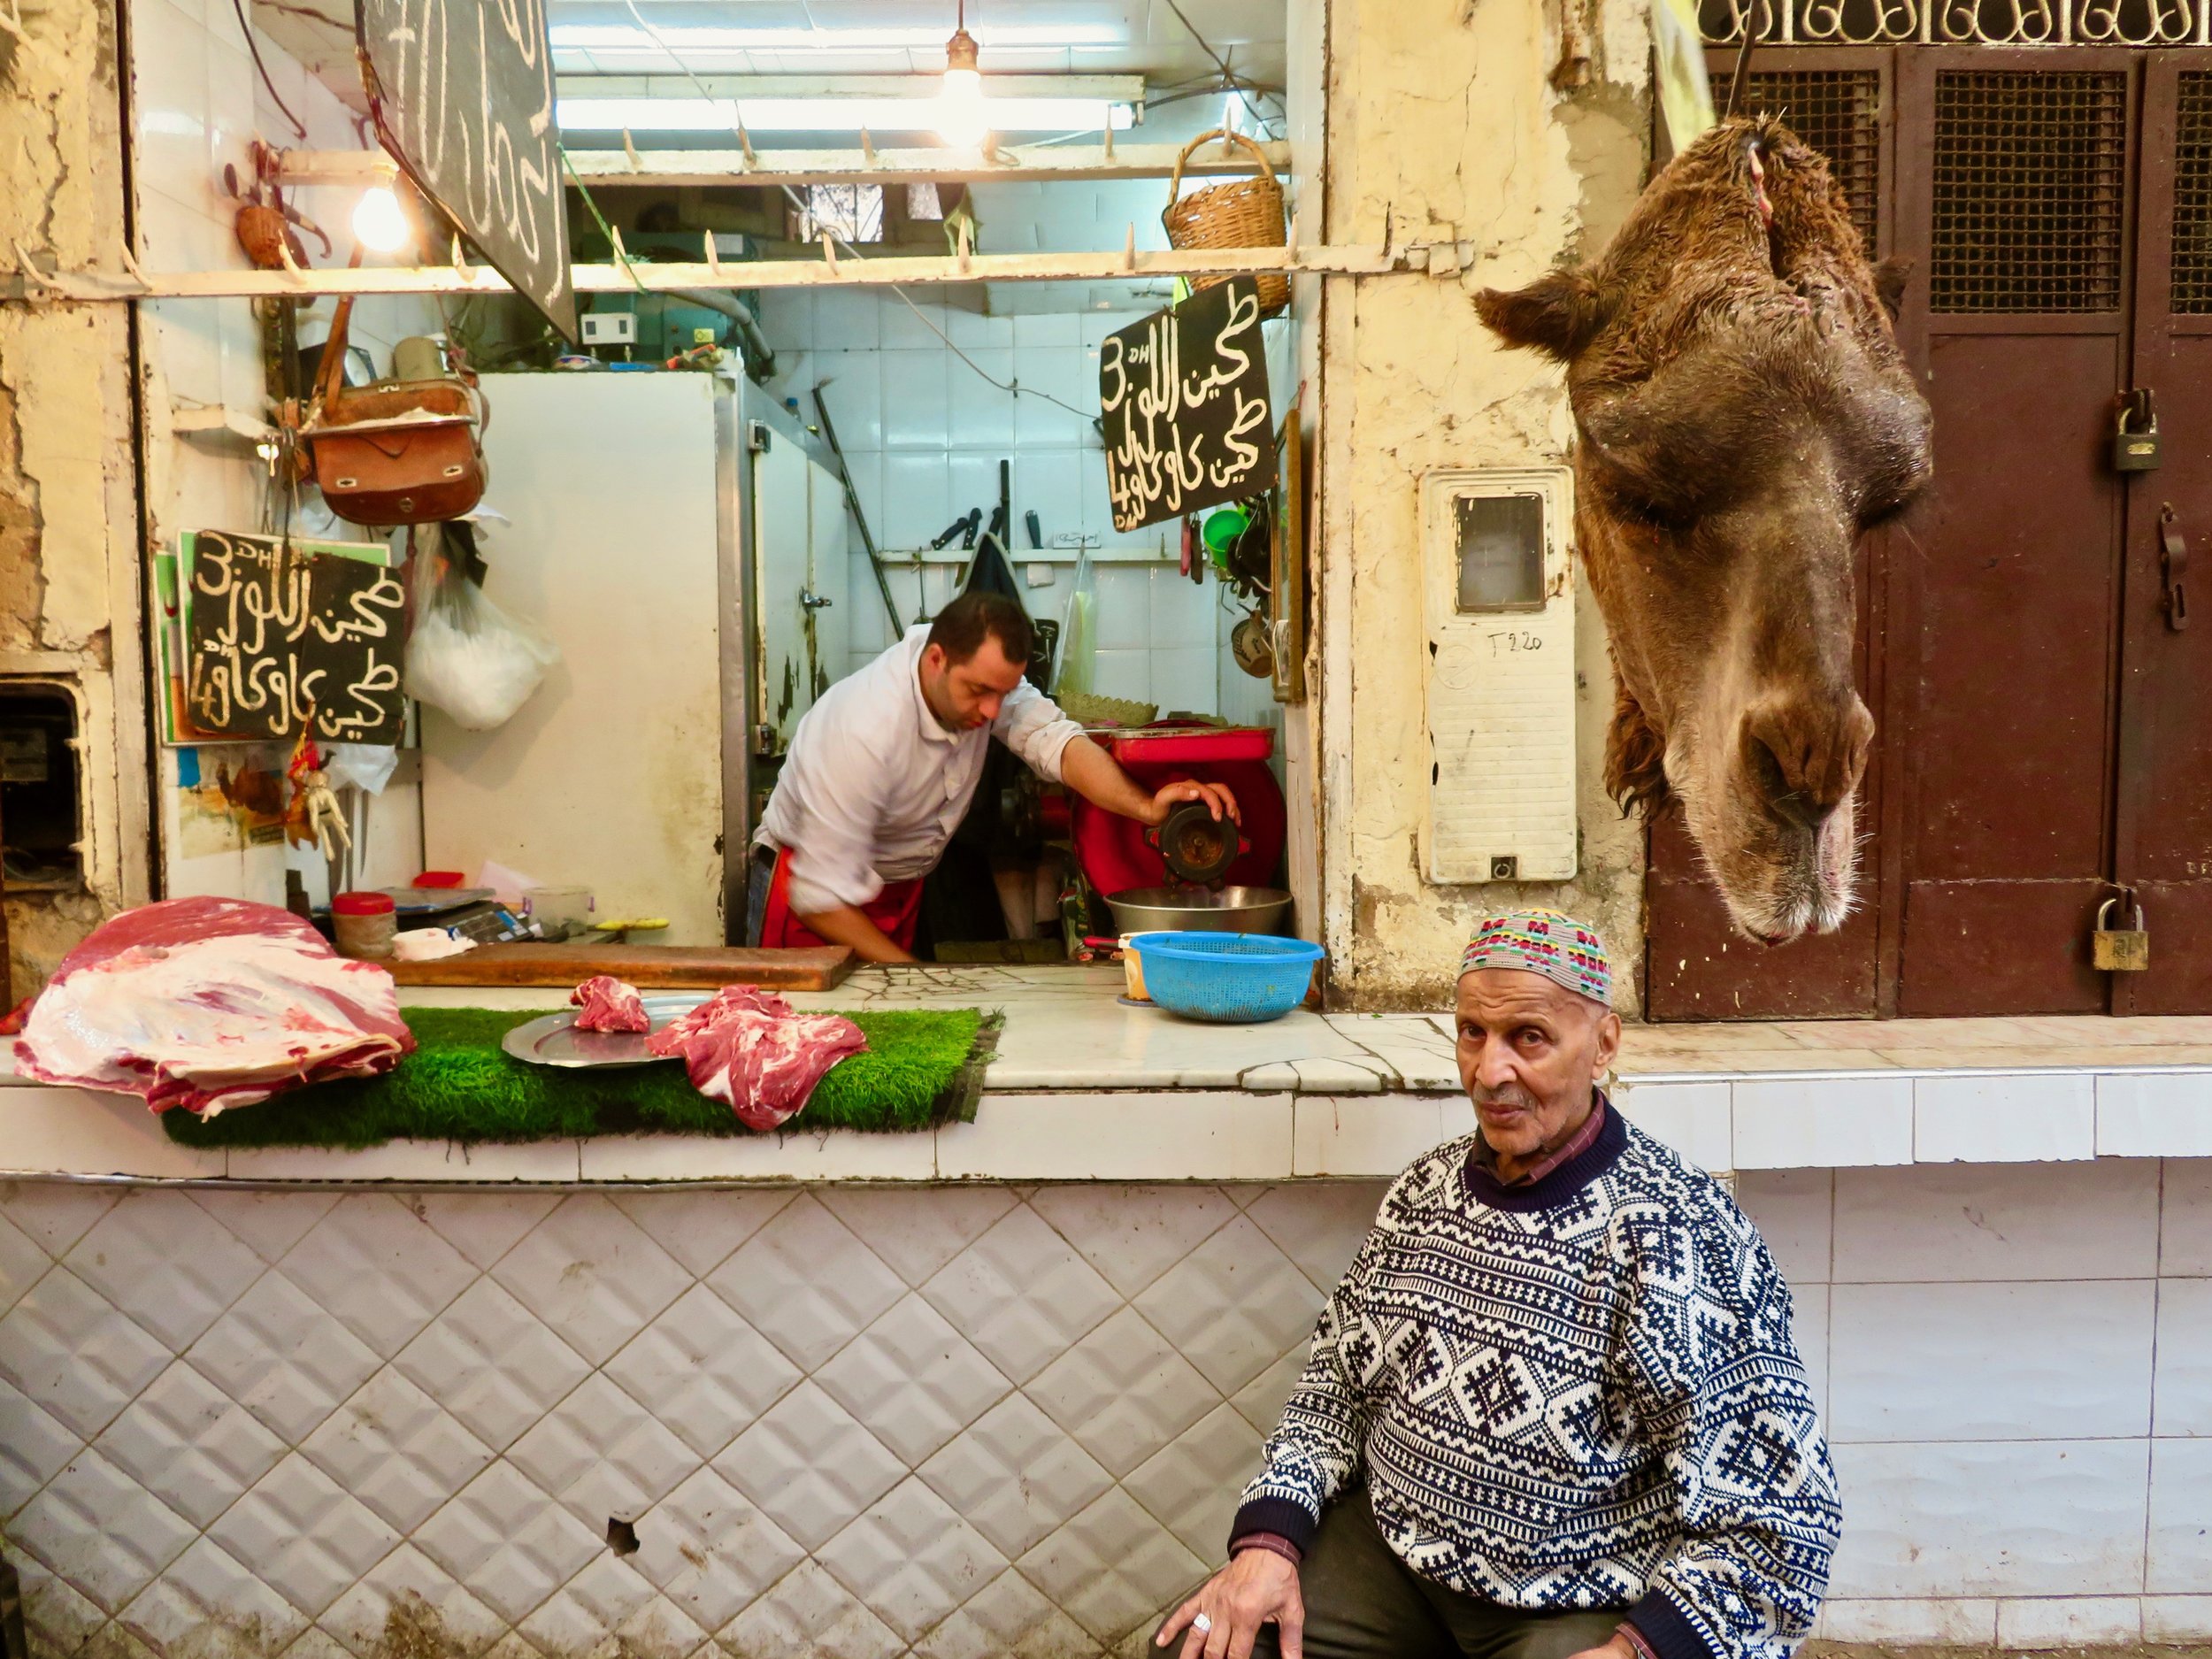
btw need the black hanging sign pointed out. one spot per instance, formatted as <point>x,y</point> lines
<point>275,637</point>
<point>463,94</point>
<point>1183,394</point>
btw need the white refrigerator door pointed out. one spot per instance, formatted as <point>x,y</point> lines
<point>611,776</point>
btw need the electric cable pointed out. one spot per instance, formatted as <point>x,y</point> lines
<point>298,127</point>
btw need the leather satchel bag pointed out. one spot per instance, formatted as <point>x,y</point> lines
<point>403,452</point>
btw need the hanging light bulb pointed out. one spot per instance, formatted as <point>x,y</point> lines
<point>379,222</point>
<point>961,119</point>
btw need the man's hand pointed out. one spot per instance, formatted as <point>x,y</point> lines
<point>1258,1585</point>
<point>1216,796</point>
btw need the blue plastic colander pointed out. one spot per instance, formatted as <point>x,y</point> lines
<point>1232,978</point>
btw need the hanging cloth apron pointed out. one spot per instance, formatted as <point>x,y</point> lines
<point>898,911</point>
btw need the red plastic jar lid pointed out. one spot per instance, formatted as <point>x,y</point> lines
<point>439,879</point>
<point>362,904</point>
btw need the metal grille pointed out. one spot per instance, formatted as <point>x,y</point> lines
<point>1838,111</point>
<point>2192,195</point>
<point>1944,22</point>
<point>2030,174</point>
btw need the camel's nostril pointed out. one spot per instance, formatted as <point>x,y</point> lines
<point>1805,757</point>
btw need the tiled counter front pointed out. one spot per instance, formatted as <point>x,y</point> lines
<point>974,1420</point>
<point>842,1421</point>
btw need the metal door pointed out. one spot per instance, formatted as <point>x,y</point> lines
<point>829,580</point>
<point>2163,818</point>
<point>783,553</point>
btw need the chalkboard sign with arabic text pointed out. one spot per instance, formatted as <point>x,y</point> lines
<point>462,91</point>
<point>277,637</point>
<point>1184,395</point>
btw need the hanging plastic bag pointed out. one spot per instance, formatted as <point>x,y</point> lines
<point>465,655</point>
<point>1079,632</point>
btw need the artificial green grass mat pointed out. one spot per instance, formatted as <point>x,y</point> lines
<point>922,1067</point>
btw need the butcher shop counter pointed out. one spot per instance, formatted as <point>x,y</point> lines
<point>1085,1086</point>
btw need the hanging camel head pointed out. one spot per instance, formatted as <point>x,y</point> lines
<point>1744,416</point>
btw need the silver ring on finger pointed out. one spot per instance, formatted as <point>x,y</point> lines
<point>1201,1623</point>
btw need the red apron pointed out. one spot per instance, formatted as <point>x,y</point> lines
<point>898,911</point>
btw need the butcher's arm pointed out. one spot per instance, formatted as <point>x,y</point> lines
<point>849,925</point>
<point>1094,774</point>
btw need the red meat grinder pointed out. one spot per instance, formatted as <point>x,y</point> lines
<point>1191,872</point>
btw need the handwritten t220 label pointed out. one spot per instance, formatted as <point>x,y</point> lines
<point>1184,395</point>
<point>276,637</point>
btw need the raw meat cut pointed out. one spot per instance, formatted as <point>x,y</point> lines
<point>209,1003</point>
<point>608,1004</point>
<point>753,1050</point>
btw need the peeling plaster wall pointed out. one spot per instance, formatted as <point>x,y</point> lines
<point>1442,127</point>
<point>69,606</point>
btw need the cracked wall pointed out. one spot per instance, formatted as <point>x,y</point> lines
<point>68,468</point>
<point>1443,125</point>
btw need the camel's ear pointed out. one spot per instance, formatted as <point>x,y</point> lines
<point>1890,277</point>
<point>1557,314</point>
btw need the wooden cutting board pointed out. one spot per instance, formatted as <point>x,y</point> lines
<point>648,967</point>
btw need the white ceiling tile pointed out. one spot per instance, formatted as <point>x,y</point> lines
<point>190,1444</point>
<point>703,1370</point>
<point>592,1275</point>
<point>396,1449</point>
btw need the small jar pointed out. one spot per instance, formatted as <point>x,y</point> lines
<point>365,924</point>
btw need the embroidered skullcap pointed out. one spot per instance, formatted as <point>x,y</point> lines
<point>1561,949</point>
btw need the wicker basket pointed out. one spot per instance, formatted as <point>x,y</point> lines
<point>1243,213</point>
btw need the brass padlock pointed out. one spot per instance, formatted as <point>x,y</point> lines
<point>2135,441</point>
<point>2120,949</point>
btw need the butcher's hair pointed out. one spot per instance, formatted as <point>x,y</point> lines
<point>960,628</point>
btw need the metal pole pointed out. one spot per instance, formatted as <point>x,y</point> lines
<point>852,500</point>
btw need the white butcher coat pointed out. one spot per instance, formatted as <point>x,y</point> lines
<point>874,787</point>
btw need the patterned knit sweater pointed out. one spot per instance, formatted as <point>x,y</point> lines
<point>1580,1393</point>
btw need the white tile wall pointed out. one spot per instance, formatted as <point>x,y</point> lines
<point>981,1419</point>
<point>923,433</point>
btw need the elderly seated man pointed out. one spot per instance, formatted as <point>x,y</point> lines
<point>1553,1408</point>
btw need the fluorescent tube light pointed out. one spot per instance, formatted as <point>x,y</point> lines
<point>1034,37</point>
<point>831,115</point>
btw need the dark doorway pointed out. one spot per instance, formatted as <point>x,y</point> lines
<point>2042,720</point>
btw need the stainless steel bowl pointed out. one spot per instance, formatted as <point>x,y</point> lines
<point>1200,910</point>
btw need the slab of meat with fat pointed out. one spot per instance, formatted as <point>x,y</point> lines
<point>209,1003</point>
<point>608,1004</point>
<point>752,1050</point>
